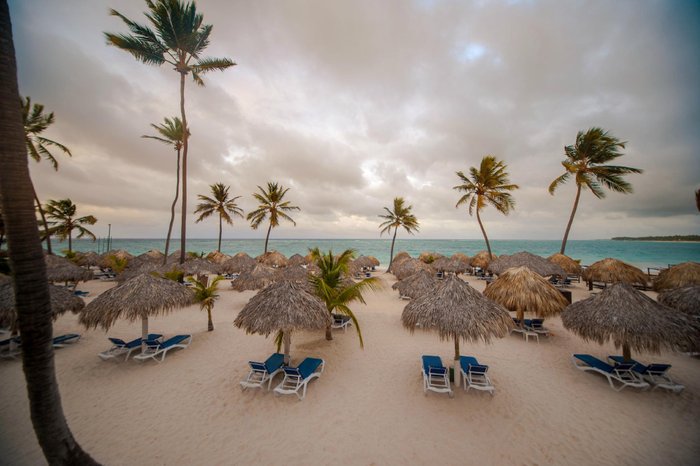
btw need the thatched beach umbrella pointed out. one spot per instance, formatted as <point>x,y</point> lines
<point>570,266</point>
<point>87,259</point>
<point>678,276</point>
<point>408,267</point>
<point>374,260</point>
<point>272,259</point>
<point>429,257</point>
<point>59,269</point>
<point>416,285</point>
<point>296,273</point>
<point>481,259</point>
<point>363,261</point>
<point>441,263</point>
<point>259,277</point>
<point>613,271</point>
<point>686,299</point>
<point>197,266</point>
<point>457,311</point>
<point>521,290</point>
<point>239,263</point>
<point>139,298</point>
<point>296,259</point>
<point>462,260</point>
<point>630,319</point>
<point>398,259</point>
<point>143,267</point>
<point>217,257</point>
<point>62,301</point>
<point>283,306</point>
<point>525,259</point>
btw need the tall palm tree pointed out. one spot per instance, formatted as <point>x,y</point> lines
<point>400,216</point>
<point>205,294</point>
<point>586,160</point>
<point>171,133</point>
<point>271,204</point>
<point>62,212</point>
<point>218,204</point>
<point>177,37</point>
<point>36,122</point>
<point>332,286</point>
<point>489,184</point>
<point>27,258</point>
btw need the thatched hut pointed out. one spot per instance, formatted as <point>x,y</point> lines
<point>399,259</point>
<point>429,257</point>
<point>416,285</point>
<point>630,319</point>
<point>441,264</point>
<point>283,307</point>
<point>239,263</point>
<point>363,262</point>
<point>462,260</point>
<point>296,259</point>
<point>62,301</point>
<point>570,266</point>
<point>148,266</point>
<point>613,271</point>
<point>521,290</point>
<point>59,269</point>
<point>408,267</point>
<point>533,262</point>
<point>481,259</point>
<point>87,259</point>
<point>272,259</point>
<point>139,298</point>
<point>217,257</point>
<point>686,299</point>
<point>259,277</point>
<point>295,273</point>
<point>678,276</point>
<point>375,262</point>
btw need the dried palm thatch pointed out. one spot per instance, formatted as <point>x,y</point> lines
<point>141,268</point>
<point>87,259</point>
<point>296,273</point>
<point>461,257</point>
<point>283,306</point>
<point>273,259</point>
<point>374,260</point>
<point>259,277</point>
<point>570,266</point>
<point>429,257</point>
<point>416,285</point>
<point>678,276</point>
<point>686,299</point>
<point>62,301</point>
<point>456,310</point>
<point>363,261</point>
<point>533,262</point>
<point>408,267</point>
<point>296,259</point>
<point>400,257</point>
<point>59,269</point>
<point>481,259</point>
<point>217,257</point>
<point>441,263</point>
<point>239,263</point>
<point>197,266</point>
<point>630,319</point>
<point>141,297</point>
<point>614,271</point>
<point>521,290</point>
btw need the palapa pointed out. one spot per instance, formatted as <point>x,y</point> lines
<point>283,306</point>
<point>678,276</point>
<point>408,267</point>
<point>630,319</point>
<point>239,263</point>
<point>217,257</point>
<point>259,277</point>
<point>521,290</point>
<point>87,259</point>
<point>429,257</point>
<point>525,259</point>
<point>613,271</point>
<point>416,285</point>
<point>363,261</point>
<point>398,259</point>
<point>60,269</point>
<point>374,260</point>
<point>62,300</point>
<point>482,259</point>
<point>686,299</point>
<point>296,259</point>
<point>272,258</point>
<point>570,266</point>
<point>295,273</point>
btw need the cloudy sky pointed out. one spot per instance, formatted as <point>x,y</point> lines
<point>352,103</point>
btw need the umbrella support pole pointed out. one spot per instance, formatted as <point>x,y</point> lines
<point>457,374</point>
<point>144,332</point>
<point>287,343</point>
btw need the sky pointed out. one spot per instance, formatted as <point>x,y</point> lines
<point>353,103</point>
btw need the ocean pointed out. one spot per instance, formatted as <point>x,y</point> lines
<point>642,254</point>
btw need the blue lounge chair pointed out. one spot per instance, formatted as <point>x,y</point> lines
<point>655,374</point>
<point>120,346</point>
<point>65,340</point>
<point>81,294</point>
<point>537,326</point>
<point>524,329</point>
<point>155,348</point>
<point>621,373</point>
<point>474,374</point>
<point>341,321</point>
<point>436,377</point>
<point>261,372</point>
<point>297,378</point>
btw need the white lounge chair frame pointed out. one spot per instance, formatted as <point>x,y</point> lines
<point>291,384</point>
<point>341,323</point>
<point>436,382</point>
<point>478,381</point>
<point>256,378</point>
<point>155,351</point>
<point>117,351</point>
<point>626,378</point>
<point>526,333</point>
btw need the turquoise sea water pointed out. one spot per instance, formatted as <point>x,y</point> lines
<point>642,254</point>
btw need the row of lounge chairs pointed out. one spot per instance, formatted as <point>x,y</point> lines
<point>436,376</point>
<point>530,328</point>
<point>628,373</point>
<point>295,381</point>
<point>10,348</point>
<point>152,347</point>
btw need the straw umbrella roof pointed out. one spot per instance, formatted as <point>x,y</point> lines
<point>400,257</point>
<point>481,259</point>
<point>569,265</point>
<point>62,301</point>
<point>217,257</point>
<point>678,276</point>
<point>374,260</point>
<point>630,319</point>
<point>258,277</point>
<point>239,263</point>
<point>152,254</point>
<point>296,259</point>
<point>525,259</point>
<point>428,257</point>
<point>143,267</point>
<point>612,271</point>
<point>197,266</point>
<point>521,290</point>
<point>455,309</point>
<point>295,273</point>
<point>408,267</point>
<point>416,285</point>
<point>272,258</point>
<point>363,261</point>
<point>59,269</point>
<point>141,297</point>
<point>686,299</point>
<point>441,263</point>
<point>461,257</point>
<point>87,258</point>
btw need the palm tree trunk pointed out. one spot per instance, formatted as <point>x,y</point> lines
<point>220,227</point>
<point>210,323</point>
<point>626,353</point>
<point>391,254</point>
<point>43,220</point>
<point>329,333</point>
<point>185,144</point>
<point>70,241</point>
<point>267,237</point>
<point>571,219</point>
<point>483,232</point>
<point>27,262</point>
<point>287,339</point>
<point>172,210</point>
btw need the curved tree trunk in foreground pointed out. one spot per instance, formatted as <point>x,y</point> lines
<point>27,262</point>
<point>172,209</point>
<point>43,220</point>
<point>267,238</point>
<point>185,144</point>
<point>486,238</point>
<point>571,219</point>
<point>391,254</point>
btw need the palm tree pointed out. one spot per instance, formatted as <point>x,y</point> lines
<point>178,38</point>
<point>62,212</point>
<point>218,204</point>
<point>35,123</point>
<point>271,204</point>
<point>400,216</point>
<point>487,185</point>
<point>333,288</point>
<point>206,296</point>
<point>31,286</point>
<point>587,160</point>
<point>171,133</point>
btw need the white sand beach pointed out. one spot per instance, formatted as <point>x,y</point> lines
<point>367,408</point>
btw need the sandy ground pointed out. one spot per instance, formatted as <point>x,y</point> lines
<point>367,408</point>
